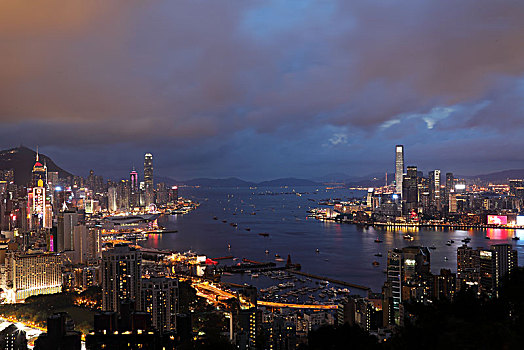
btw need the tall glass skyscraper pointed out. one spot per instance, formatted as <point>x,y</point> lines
<point>148,179</point>
<point>399,168</point>
<point>148,170</point>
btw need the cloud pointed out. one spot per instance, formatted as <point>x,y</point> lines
<point>169,74</point>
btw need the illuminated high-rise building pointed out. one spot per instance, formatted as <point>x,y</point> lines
<point>405,266</point>
<point>133,179</point>
<point>434,189</point>
<point>160,299</point>
<point>399,167</point>
<point>410,191</point>
<point>173,194</point>
<point>112,204</point>
<point>134,193</point>
<point>148,179</point>
<point>148,170</point>
<point>39,173</point>
<point>121,277</point>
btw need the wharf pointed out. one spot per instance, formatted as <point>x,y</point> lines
<point>332,280</point>
<point>419,225</point>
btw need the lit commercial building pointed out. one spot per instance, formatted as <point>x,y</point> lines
<point>399,168</point>
<point>410,191</point>
<point>148,179</point>
<point>434,189</point>
<point>31,274</point>
<point>173,194</point>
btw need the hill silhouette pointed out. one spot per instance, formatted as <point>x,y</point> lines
<point>21,160</point>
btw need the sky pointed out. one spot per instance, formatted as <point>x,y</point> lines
<point>264,89</point>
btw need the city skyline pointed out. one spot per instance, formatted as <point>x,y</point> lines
<point>300,87</point>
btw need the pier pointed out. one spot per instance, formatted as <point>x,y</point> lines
<point>332,280</point>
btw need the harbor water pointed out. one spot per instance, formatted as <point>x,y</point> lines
<point>229,221</point>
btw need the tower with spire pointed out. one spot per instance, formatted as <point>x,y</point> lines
<point>39,172</point>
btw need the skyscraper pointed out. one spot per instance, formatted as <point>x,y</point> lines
<point>121,276</point>
<point>133,178</point>
<point>410,189</point>
<point>134,195</point>
<point>468,266</point>
<point>148,170</point>
<point>399,168</point>
<point>148,178</point>
<point>160,298</point>
<point>434,189</point>
<point>394,279</point>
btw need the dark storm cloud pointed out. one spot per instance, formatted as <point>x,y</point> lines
<point>226,82</point>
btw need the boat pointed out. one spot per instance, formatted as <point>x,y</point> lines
<point>375,263</point>
<point>267,251</point>
<point>451,241</point>
<point>254,275</point>
<point>263,234</point>
<point>233,224</point>
<point>408,237</point>
<point>279,259</point>
<point>318,251</point>
<point>248,229</point>
<point>229,246</point>
<point>448,244</point>
<point>379,255</point>
<point>446,258</point>
<point>378,240</point>
<point>487,237</point>
<point>215,218</point>
<point>277,256</point>
<point>516,238</point>
<point>224,221</point>
<point>466,240</point>
<point>433,247</point>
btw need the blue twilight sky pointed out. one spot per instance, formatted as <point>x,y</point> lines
<point>263,89</point>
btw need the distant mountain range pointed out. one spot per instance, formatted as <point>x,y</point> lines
<point>499,175</point>
<point>21,160</point>
<point>236,182</point>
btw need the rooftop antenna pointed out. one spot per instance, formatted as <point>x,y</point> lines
<point>386,178</point>
<point>37,153</point>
